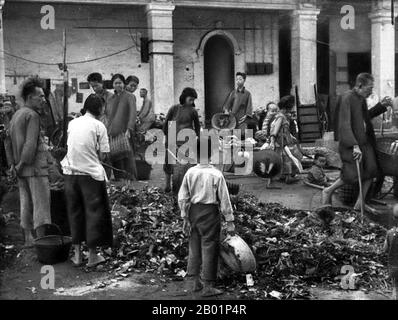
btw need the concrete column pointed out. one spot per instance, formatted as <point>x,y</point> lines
<point>304,25</point>
<point>383,50</point>
<point>249,40</point>
<point>258,39</point>
<point>275,56</point>
<point>160,24</point>
<point>2,62</point>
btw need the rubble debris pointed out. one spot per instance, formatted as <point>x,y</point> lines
<point>294,249</point>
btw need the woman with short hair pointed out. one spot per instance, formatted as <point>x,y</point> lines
<point>85,183</point>
<point>186,117</point>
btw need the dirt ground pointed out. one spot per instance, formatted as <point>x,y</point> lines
<point>20,271</point>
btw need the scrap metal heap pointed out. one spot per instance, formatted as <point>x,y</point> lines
<point>294,249</point>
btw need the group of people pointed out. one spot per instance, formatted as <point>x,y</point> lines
<point>273,127</point>
<point>99,140</point>
<point>102,138</point>
<point>120,117</point>
<point>202,196</point>
<point>278,132</point>
<point>30,160</point>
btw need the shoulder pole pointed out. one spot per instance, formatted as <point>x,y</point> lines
<point>66,87</point>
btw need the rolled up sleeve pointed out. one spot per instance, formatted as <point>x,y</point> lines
<point>184,197</point>
<point>103,140</point>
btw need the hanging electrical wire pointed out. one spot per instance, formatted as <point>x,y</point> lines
<point>73,62</point>
<point>103,57</point>
<point>28,60</point>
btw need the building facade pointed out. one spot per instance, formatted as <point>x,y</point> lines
<point>282,43</point>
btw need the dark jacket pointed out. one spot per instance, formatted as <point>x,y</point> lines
<point>351,114</point>
<point>354,127</point>
<point>186,117</point>
<point>122,113</point>
<point>239,103</point>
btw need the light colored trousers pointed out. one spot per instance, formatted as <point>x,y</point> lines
<point>34,194</point>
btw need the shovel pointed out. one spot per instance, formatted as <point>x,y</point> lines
<point>361,199</point>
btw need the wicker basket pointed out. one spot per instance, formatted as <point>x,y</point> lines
<point>388,162</point>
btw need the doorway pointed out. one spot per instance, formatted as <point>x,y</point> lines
<point>358,62</point>
<point>285,64</point>
<point>218,74</point>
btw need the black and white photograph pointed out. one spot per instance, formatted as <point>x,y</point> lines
<point>210,153</point>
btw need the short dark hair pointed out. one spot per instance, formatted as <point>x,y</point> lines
<point>118,76</point>
<point>363,79</point>
<point>29,86</point>
<point>269,103</point>
<point>144,89</point>
<point>187,92</point>
<point>319,155</point>
<point>132,78</point>
<point>93,104</point>
<point>287,102</point>
<point>242,74</point>
<point>94,77</point>
<point>209,151</point>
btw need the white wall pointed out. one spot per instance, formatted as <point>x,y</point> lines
<point>192,25</point>
<point>24,37</point>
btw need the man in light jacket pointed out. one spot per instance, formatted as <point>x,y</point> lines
<point>28,154</point>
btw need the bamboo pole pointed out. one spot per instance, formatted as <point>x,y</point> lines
<point>66,85</point>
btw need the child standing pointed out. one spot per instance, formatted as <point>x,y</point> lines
<point>273,110</point>
<point>265,132</point>
<point>316,175</point>
<point>202,197</point>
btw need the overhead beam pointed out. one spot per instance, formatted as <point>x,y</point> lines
<point>83,2</point>
<point>238,4</point>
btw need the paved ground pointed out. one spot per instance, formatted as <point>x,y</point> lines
<point>298,196</point>
<point>21,278</point>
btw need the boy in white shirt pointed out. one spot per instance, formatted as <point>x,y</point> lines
<point>202,197</point>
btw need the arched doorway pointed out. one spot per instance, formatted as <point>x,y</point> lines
<point>218,74</point>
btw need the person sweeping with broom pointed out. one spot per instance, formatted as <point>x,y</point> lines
<point>357,140</point>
